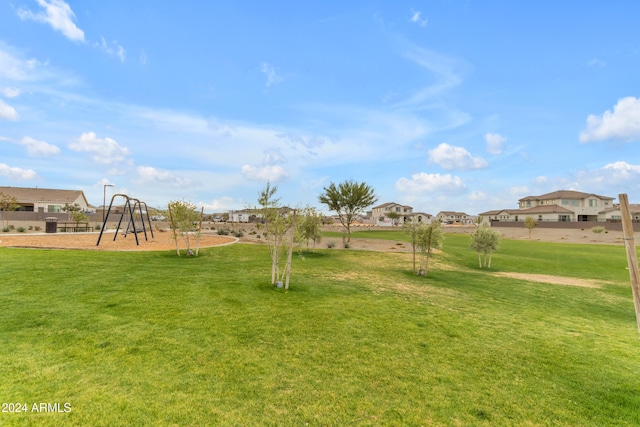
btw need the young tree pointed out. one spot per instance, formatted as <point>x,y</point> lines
<point>76,214</point>
<point>348,199</point>
<point>183,217</point>
<point>393,216</point>
<point>530,224</point>
<point>485,240</point>
<point>279,231</point>
<point>309,227</point>
<point>8,204</point>
<point>429,237</point>
<point>411,229</point>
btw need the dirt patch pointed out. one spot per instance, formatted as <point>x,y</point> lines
<point>554,280</point>
<point>160,242</point>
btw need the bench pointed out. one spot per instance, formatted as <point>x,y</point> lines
<point>73,227</point>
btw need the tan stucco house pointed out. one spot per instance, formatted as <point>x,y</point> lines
<point>557,206</point>
<point>47,200</point>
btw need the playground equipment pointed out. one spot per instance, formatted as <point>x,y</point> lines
<point>130,211</point>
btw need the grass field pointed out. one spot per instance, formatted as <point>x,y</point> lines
<point>153,339</point>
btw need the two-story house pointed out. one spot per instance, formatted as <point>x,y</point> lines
<point>557,206</point>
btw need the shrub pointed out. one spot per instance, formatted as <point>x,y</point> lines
<point>238,233</point>
<point>37,228</point>
<point>223,232</point>
<point>12,227</point>
<point>21,229</point>
<point>5,229</point>
<point>598,229</point>
<point>331,244</point>
<point>31,227</point>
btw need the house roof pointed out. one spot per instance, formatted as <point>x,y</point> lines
<point>43,195</point>
<point>633,208</point>
<point>452,213</point>
<point>419,213</point>
<point>543,210</point>
<point>565,194</point>
<point>384,205</point>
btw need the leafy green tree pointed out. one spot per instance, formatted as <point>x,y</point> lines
<point>76,214</point>
<point>429,237</point>
<point>393,216</point>
<point>348,199</point>
<point>485,240</point>
<point>309,227</point>
<point>8,204</point>
<point>184,218</point>
<point>530,224</point>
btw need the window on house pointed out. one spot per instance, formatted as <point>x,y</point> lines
<point>54,208</point>
<point>593,203</point>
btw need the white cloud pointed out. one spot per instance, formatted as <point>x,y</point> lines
<point>445,70</point>
<point>416,17</point>
<point>16,173</point>
<point>112,49</point>
<point>622,170</point>
<point>273,173</point>
<point>622,124</point>
<point>221,204</point>
<point>541,180</point>
<point>426,183</point>
<point>7,112</point>
<point>59,15</point>
<point>495,142</point>
<point>37,148</point>
<point>148,174</point>
<point>478,196</point>
<point>10,92</point>
<point>455,158</point>
<point>272,77</point>
<point>104,150</point>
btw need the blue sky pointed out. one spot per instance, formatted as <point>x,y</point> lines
<point>442,105</point>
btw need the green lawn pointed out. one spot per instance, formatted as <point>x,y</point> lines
<point>153,339</point>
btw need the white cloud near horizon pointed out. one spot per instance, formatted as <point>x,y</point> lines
<point>105,150</point>
<point>149,174</point>
<point>58,15</point>
<point>16,173</point>
<point>455,158</point>
<point>37,148</point>
<point>623,124</point>
<point>7,112</point>
<point>495,143</point>
<point>427,183</point>
<point>272,173</point>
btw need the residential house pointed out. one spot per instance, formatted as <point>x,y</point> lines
<point>613,214</point>
<point>557,206</point>
<point>390,214</point>
<point>47,200</point>
<point>450,217</point>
